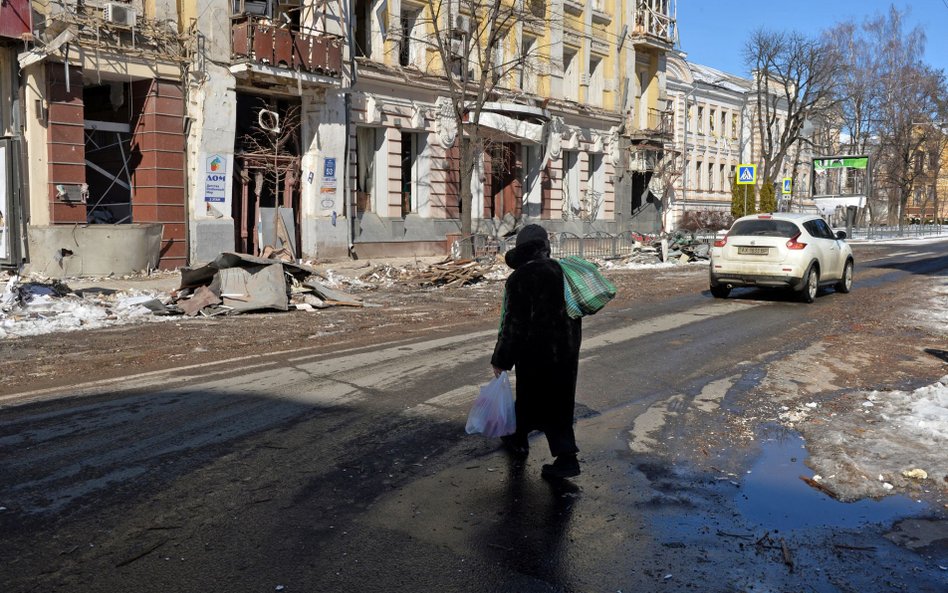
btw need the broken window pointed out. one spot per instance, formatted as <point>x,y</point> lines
<point>411,47</point>
<point>595,187</point>
<point>570,75</point>
<point>571,197</point>
<point>368,143</point>
<point>596,88</point>
<point>415,172</point>
<point>528,61</point>
<point>363,28</point>
<point>498,57</point>
<point>254,7</point>
<point>108,155</point>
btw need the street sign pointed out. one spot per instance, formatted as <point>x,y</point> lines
<point>746,174</point>
<point>787,185</point>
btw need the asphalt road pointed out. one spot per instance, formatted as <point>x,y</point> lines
<point>350,470</point>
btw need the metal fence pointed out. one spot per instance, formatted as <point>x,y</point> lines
<point>598,245</point>
<point>908,231</point>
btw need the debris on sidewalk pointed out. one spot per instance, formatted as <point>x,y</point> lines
<point>37,306</point>
<point>232,283</point>
<point>238,283</point>
<point>452,273</point>
<point>445,273</point>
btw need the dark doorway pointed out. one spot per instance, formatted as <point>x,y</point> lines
<point>267,168</point>
<point>505,191</point>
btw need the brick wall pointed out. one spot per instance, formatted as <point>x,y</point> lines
<point>158,178</point>
<point>65,135</point>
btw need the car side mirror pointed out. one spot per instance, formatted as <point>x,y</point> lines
<point>840,235</point>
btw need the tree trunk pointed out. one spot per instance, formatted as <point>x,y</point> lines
<point>467,165</point>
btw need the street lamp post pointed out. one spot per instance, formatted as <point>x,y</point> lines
<point>684,149</point>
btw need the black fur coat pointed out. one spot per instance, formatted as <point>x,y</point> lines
<point>539,339</point>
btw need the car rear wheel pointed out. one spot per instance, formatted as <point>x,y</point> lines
<point>720,291</point>
<point>811,285</point>
<point>845,283</point>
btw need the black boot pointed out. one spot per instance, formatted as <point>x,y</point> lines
<point>515,445</point>
<point>565,466</point>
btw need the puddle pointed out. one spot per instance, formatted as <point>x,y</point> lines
<point>773,496</point>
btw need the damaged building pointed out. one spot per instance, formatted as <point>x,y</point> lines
<point>162,134</point>
<point>103,121</point>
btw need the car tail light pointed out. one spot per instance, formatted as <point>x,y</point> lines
<point>765,216</point>
<point>794,244</point>
<point>721,242</point>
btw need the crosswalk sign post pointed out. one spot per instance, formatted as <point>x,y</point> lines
<point>746,175</point>
<point>787,186</point>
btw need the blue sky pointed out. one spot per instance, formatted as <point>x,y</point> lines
<point>713,32</point>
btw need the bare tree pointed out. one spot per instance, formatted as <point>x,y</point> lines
<point>476,49</point>
<point>859,113</point>
<point>888,101</point>
<point>668,169</point>
<point>910,92</point>
<point>794,77</point>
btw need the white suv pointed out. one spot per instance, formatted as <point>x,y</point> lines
<point>781,250</point>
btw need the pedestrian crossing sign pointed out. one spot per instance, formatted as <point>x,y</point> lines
<point>746,174</point>
<point>787,186</point>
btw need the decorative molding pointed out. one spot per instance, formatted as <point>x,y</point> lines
<point>373,110</point>
<point>445,123</point>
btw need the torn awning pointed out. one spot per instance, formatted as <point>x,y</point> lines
<point>509,129</point>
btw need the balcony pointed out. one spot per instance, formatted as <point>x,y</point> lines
<point>257,40</point>
<point>653,26</point>
<point>657,125</point>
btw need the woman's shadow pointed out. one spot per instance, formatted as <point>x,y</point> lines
<point>530,533</point>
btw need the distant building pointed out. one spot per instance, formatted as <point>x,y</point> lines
<point>715,131</point>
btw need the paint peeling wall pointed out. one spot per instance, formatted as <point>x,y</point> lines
<point>211,109</point>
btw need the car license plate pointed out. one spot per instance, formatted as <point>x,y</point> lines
<point>753,250</point>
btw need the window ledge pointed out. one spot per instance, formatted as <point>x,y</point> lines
<point>601,17</point>
<point>573,7</point>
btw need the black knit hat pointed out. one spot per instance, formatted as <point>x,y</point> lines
<point>532,242</point>
<point>532,232</point>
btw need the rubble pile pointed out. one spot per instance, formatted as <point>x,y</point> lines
<point>685,248</point>
<point>451,273</point>
<point>447,273</point>
<point>231,284</point>
<point>237,283</point>
<point>679,248</point>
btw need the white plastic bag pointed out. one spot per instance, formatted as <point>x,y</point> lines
<point>493,412</point>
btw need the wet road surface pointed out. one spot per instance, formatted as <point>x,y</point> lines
<point>350,471</point>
